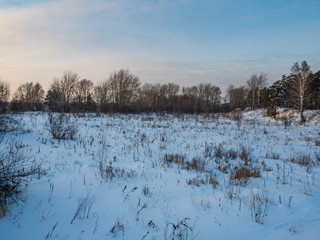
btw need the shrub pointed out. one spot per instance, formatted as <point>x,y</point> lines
<point>242,174</point>
<point>199,181</point>
<point>245,152</point>
<point>231,154</point>
<point>286,121</point>
<point>208,150</point>
<point>236,114</point>
<point>219,151</point>
<point>304,160</point>
<point>178,159</point>
<point>258,207</point>
<point>7,124</point>
<point>179,231</point>
<point>61,126</point>
<point>117,227</point>
<point>108,172</point>
<point>197,164</point>
<point>15,171</point>
<point>83,209</point>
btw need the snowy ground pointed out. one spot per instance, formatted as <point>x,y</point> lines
<point>159,176</point>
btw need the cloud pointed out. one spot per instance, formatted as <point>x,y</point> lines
<point>159,40</point>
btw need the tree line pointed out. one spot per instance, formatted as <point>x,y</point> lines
<point>124,92</point>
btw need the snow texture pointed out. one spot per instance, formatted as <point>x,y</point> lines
<point>116,179</point>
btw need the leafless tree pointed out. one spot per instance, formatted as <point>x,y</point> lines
<point>68,85</point>
<point>4,95</point>
<point>299,90</point>
<point>215,96</point>
<point>28,96</point>
<point>209,96</point>
<point>190,99</point>
<point>149,97</point>
<point>54,98</point>
<point>236,96</point>
<point>102,95</point>
<point>261,83</point>
<point>124,88</point>
<point>252,84</point>
<point>62,91</point>
<point>83,92</point>
<point>171,95</point>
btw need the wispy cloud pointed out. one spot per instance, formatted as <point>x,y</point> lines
<point>183,41</point>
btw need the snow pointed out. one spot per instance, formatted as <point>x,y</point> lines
<point>146,197</point>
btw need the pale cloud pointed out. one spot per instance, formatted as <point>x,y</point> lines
<point>95,37</point>
<point>41,38</point>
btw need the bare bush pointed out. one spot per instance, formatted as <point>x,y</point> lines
<point>178,159</point>
<point>61,126</point>
<point>219,151</point>
<point>245,152</point>
<point>16,168</point>
<point>259,207</point>
<point>286,121</point>
<point>231,154</point>
<point>304,160</point>
<point>7,124</point>
<point>146,191</point>
<point>208,150</point>
<point>197,164</point>
<point>242,174</point>
<point>236,114</point>
<point>273,155</point>
<point>83,209</point>
<point>199,181</point>
<point>117,227</point>
<point>108,172</point>
<point>179,231</point>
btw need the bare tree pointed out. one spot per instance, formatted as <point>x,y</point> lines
<point>83,91</point>
<point>149,97</point>
<point>215,97</point>
<point>62,91</point>
<point>4,95</point>
<point>261,83</point>
<point>124,88</point>
<point>236,96</point>
<point>54,98</point>
<point>190,99</point>
<point>252,88</point>
<point>209,96</point>
<point>300,86</point>
<point>28,96</point>
<point>171,94</point>
<point>68,85</point>
<point>102,95</point>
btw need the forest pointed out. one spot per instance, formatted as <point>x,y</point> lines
<point>123,92</point>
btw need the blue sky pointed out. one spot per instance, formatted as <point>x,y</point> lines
<point>181,41</point>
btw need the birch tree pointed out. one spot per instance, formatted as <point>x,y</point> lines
<point>252,88</point>
<point>300,87</point>
<point>261,83</point>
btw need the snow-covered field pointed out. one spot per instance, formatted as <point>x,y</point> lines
<point>169,177</point>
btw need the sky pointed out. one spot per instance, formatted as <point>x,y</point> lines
<point>186,42</point>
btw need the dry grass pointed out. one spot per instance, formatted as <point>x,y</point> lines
<point>198,181</point>
<point>243,174</point>
<point>303,160</point>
